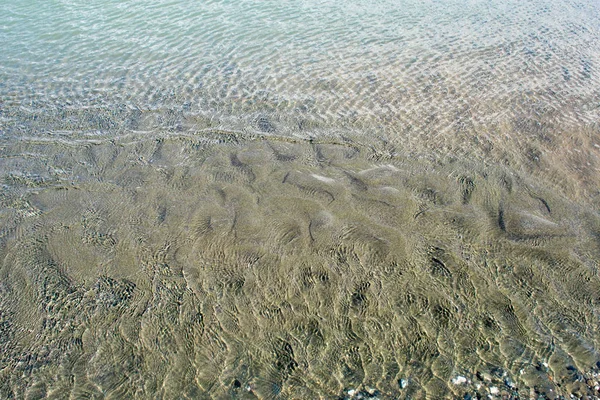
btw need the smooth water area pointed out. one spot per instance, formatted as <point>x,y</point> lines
<point>310,199</point>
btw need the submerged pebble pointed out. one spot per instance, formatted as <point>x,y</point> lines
<point>459,380</point>
<point>366,393</point>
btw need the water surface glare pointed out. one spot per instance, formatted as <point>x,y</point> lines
<point>299,199</point>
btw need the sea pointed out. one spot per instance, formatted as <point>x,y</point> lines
<point>309,199</point>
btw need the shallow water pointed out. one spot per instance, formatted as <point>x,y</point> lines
<point>299,199</point>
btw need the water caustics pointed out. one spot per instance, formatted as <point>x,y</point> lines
<point>244,199</point>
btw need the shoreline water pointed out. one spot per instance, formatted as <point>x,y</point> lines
<point>299,199</point>
<point>294,268</point>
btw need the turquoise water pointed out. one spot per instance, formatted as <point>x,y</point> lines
<point>309,199</point>
<point>387,65</point>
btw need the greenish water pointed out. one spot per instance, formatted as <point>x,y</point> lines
<point>299,199</point>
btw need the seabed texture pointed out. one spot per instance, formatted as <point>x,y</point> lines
<point>282,199</point>
<point>284,268</point>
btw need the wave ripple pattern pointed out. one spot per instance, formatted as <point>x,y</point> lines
<point>299,199</point>
<point>293,270</point>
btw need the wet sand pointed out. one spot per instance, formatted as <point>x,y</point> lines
<point>299,200</point>
<point>226,266</point>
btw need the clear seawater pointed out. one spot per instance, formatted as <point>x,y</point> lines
<point>299,199</point>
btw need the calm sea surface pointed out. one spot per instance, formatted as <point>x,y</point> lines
<point>299,199</point>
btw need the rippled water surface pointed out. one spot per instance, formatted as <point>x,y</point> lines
<point>334,199</point>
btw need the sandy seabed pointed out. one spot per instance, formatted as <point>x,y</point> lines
<point>227,267</point>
